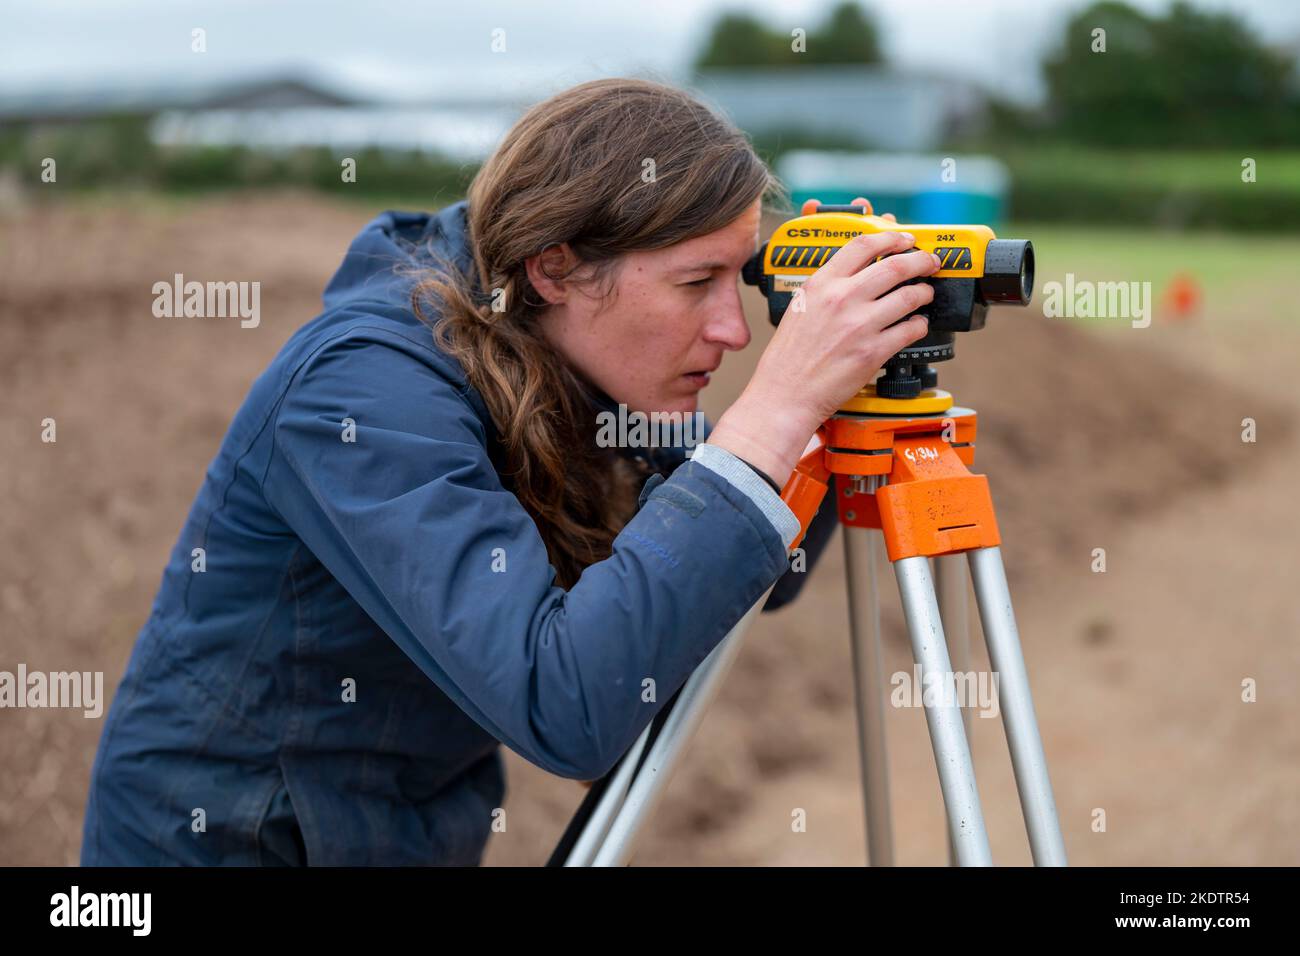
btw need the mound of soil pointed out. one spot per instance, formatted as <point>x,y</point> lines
<point>1081,436</point>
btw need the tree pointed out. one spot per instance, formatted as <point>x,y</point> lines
<point>1190,77</point>
<point>739,40</point>
<point>848,36</point>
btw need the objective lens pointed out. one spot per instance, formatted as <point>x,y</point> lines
<point>1008,272</point>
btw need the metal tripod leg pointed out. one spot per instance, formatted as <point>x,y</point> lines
<point>950,585</point>
<point>584,850</point>
<point>1026,746</point>
<point>651,780</point>
<point>861,548</point>
<point>943,716</point>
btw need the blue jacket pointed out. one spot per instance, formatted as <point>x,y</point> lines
<point>347,629</point>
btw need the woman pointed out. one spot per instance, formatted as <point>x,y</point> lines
<point>410,549</point>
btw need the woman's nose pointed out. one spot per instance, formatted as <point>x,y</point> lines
<point>727,326</point>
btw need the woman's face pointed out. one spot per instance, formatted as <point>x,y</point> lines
<point>670,315</point>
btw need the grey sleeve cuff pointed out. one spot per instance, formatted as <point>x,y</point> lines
<point>726,465</point>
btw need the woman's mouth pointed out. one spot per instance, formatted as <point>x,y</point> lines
<point>697,379</point>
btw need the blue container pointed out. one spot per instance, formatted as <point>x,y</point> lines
<point>913,187</point>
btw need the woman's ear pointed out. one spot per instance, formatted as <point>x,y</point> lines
<point>548,271</point>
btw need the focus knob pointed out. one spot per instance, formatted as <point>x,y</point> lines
<point>898,382</point>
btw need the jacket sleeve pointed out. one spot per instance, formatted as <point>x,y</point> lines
<point>411,517</point>
<point>814,544</point>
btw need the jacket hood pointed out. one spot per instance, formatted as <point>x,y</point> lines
<point>381,263</point>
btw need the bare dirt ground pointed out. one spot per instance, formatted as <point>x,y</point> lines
<point>1122,439</point>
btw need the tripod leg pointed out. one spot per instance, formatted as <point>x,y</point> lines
<point>951,753</point>
<point>950,585</point>
<point>587,844</point>
<point>1023,740</point>
<point>651,780</point>
<point>860,552</point>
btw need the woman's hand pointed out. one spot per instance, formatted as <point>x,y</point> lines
<point>827,347</point>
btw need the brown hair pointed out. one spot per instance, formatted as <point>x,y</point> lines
<point>571,171</point>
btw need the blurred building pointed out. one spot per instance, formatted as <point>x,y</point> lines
<point>876,107</point>
<point>51,106</point>
<point>842,106</point>
<point>277,113</point>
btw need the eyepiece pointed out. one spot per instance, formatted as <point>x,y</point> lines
<point>1008,272</point>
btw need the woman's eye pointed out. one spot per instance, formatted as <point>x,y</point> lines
<point>703,281</point>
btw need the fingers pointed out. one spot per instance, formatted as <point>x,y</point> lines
<point>860,250</point>
<point>900,336</point>
<point>902,301</point>
<point>884,275</point>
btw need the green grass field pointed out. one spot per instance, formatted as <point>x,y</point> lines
<point>1158,170</point>
<point>1234,271</point>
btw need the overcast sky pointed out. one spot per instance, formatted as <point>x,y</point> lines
<point>426,48</point>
